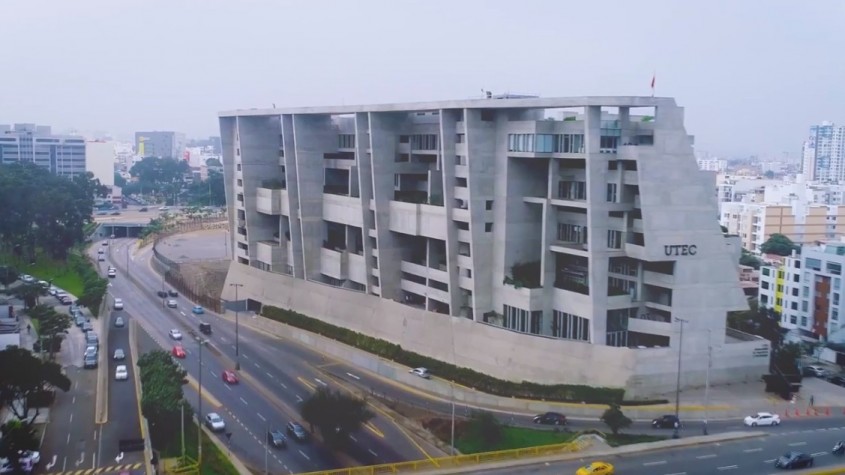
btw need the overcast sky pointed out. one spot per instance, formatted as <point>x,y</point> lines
<point>752,74</point>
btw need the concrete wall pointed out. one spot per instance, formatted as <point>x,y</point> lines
<point>494,351</point>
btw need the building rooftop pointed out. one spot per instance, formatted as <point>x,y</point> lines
<point>492,103</point>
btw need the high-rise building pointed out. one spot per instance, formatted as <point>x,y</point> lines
<point>824,153</point>
<point>529,238</point>
<point>100,160</point>
<point>160,144</point>
<point>61,154</point>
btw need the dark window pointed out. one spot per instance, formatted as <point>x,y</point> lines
<point>488,204</point>
<point>488,227</point>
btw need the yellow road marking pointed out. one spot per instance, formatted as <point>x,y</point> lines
<point>374,429</point>
<point>306,383</point>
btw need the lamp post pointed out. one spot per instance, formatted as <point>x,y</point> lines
<point>237,338</point>
<point>675,433</point>
<point>707,379</point>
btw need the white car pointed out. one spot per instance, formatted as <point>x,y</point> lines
<point>171,303</point>
<point>121,373</point>
<point>112,273</point>
<point>28,278</point>
<point>421,372</point>
<point>762,419</point>
<point>28,460</point>
<point>175,334</point>
<point>214,422</point>
<point>118,304</point>
<point>119,354</point>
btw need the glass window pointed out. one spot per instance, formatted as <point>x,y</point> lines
<point>569,326</point>
<point>611,192</point>
<point>803,321</point>
<point>545,143</point>
<point>614,239</point>
<point>804,306</point>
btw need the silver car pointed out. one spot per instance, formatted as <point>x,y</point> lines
<point>119,355</point>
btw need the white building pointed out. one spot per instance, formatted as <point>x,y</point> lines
<point>712,164</point>
<point>63,155</point>
<point>823,153</point>
<point>547,248</point>
<point>100,160</point>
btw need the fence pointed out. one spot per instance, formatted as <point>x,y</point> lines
<point>460,461</point>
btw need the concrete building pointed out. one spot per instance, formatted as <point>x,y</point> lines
<point>100,160</point>
<point>712,164</point>
<point>63,155</point>
<point>160,144</point>
<point>755,223</point>
<point>545,247</point>
<point>807,289</point>
<point>823,154</point>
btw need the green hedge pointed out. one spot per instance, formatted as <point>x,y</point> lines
<point>464,376</point>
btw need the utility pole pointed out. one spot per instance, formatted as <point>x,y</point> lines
<point>707,379</point>
<point>237,325</point>
<point>675,433</point>
<point>182,413</point>
<point>199,411</point>
<point>266,452</point>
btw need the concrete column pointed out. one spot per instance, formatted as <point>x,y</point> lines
<point>448,130</point>
<point>292,178</point>
<point>365,187</point>
<point>597,210</point>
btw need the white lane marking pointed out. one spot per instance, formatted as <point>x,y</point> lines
<point>244,401</point>
<point>727,467</point>
<point>268,374</point>
<point>352,376</point>
<point>677,473</point>
<point>212,373</point>
<point>819,454</point>
<point>68,439</point>
<point>708,456</point>
<point>303,454</point>
<point>227,387</point>
<point>257,366</point>
<point>371,451</point>
<point>74,400</point>
<point>283,385</point>
<point>797,444</point>
<point>351,437</point>
<point>321,382</point>
<point>748,451</point>
<point>222,340</point>
<point>769,461</point>
<point>245,357</point>
<point>261,417</point>
<point>183,313</point>
<point>298,398</point>
<point>660,462</point>
<point>71,418</point>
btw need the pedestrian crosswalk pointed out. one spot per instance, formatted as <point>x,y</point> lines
<point>128,467</point>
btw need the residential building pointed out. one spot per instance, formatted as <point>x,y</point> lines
<point>63,155</point>
<point>160,144</point>
<point>823,153</point>
<point>712,164</point>
<point>807,290</point>
<point>100,160</point>
<point>755,223</point>
<point>545,247</point>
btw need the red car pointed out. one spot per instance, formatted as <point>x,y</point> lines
<point>229,377</point>
<point>179,352</point>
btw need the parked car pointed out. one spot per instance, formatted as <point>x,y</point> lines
<point>53,291</point>
<point>179,352</point>
<point>214,422</point>
<point>89,361</point>
<point>198,310</point>
<point>297,432</point>
<point>551,418</point>
<point>26,278</point>
<point>80,320</point>
<point>119,355</point>
<point>175,334</point>
<point>112,273</point>
<point>229,377</point>
<point>119,323</point>
<point>762,419</point>
<point>794,460</point>
<point>421,372</point>
<point>838,380</point>
<point>666,421</point>
<point>105,243</point>
<point>121,373</point>
<point>815,370</point>
<point>171,303</point>
<point>276,438</point>
<point>87,327</point>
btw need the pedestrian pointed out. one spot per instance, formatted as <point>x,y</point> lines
<point>812,400</point>
<point>28,328</point>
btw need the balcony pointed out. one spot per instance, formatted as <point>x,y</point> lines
<point>357,268</point>
<point>270,252</point>
<point>523,297</point>
<point>268,201</point>
<point>424,271</point>
<point>342,209</point>
<point>341,190</point>
<point>636,251</point>
<point>631,177</point>
<point>418,219</point>
<point>651,327</point>
<point>658,278</point>
<point>334,263</point>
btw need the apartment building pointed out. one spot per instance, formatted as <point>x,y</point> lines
<point>161,144</point>
<point>807,290</point>
<point>63,155</point>
<point>490,234</point>
<point>711,164</point>
<point>823,153</point>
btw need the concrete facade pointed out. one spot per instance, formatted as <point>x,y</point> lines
<point>160,144</point>
<point>487,233</point>
<point>100,160</point>
<point>63,155</point>
<point>823,153</point>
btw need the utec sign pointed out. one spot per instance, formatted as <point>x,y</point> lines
<point>680,250</point>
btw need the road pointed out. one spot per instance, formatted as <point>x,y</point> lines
<point>71,438</point>
<point>749,456</point>
<point>287,384</point>
<point>249,408</point>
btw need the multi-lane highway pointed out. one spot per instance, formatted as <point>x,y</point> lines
<point>273,382</point>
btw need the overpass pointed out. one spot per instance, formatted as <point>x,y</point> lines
<point>119,228</point>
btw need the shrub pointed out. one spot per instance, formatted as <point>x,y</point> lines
<point>464,376</point>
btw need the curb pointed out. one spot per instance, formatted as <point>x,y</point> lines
<point>145,430</point>
<point>236,462</point>
<point>633,448</point>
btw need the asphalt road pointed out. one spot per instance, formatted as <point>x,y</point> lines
<point>748,457</point>
<point>124,421</point>
<point>247,410</point>
<point>284,377</point>
<point>71,438</point>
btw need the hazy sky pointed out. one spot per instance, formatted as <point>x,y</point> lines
<point>752,74</point>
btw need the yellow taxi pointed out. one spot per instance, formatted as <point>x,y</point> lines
<point>596,468</point>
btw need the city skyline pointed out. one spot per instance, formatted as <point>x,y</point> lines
<point>723,61</point>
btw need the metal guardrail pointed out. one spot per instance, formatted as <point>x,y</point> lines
<point>459,461</point>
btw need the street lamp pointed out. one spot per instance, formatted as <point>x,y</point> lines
<point>237,316</point>
<point>707,378</point>
<point>675,433</point>
<point>202,343</point>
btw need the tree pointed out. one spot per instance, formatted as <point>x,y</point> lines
<point>209,192</point>
<point>485,428</point>
<point>52,326</point>
<point>29,293</point>
<point>24,376</point>
<point>119,180</point>
<point>749,259</point>
<point>335,414</point>
<point>778,244</point>
<point>8,275</point>
<point>615,419</point>
<point>154,173</point>
<point>162,398</point>
<point>769,174</point>
<point>17,437</point>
